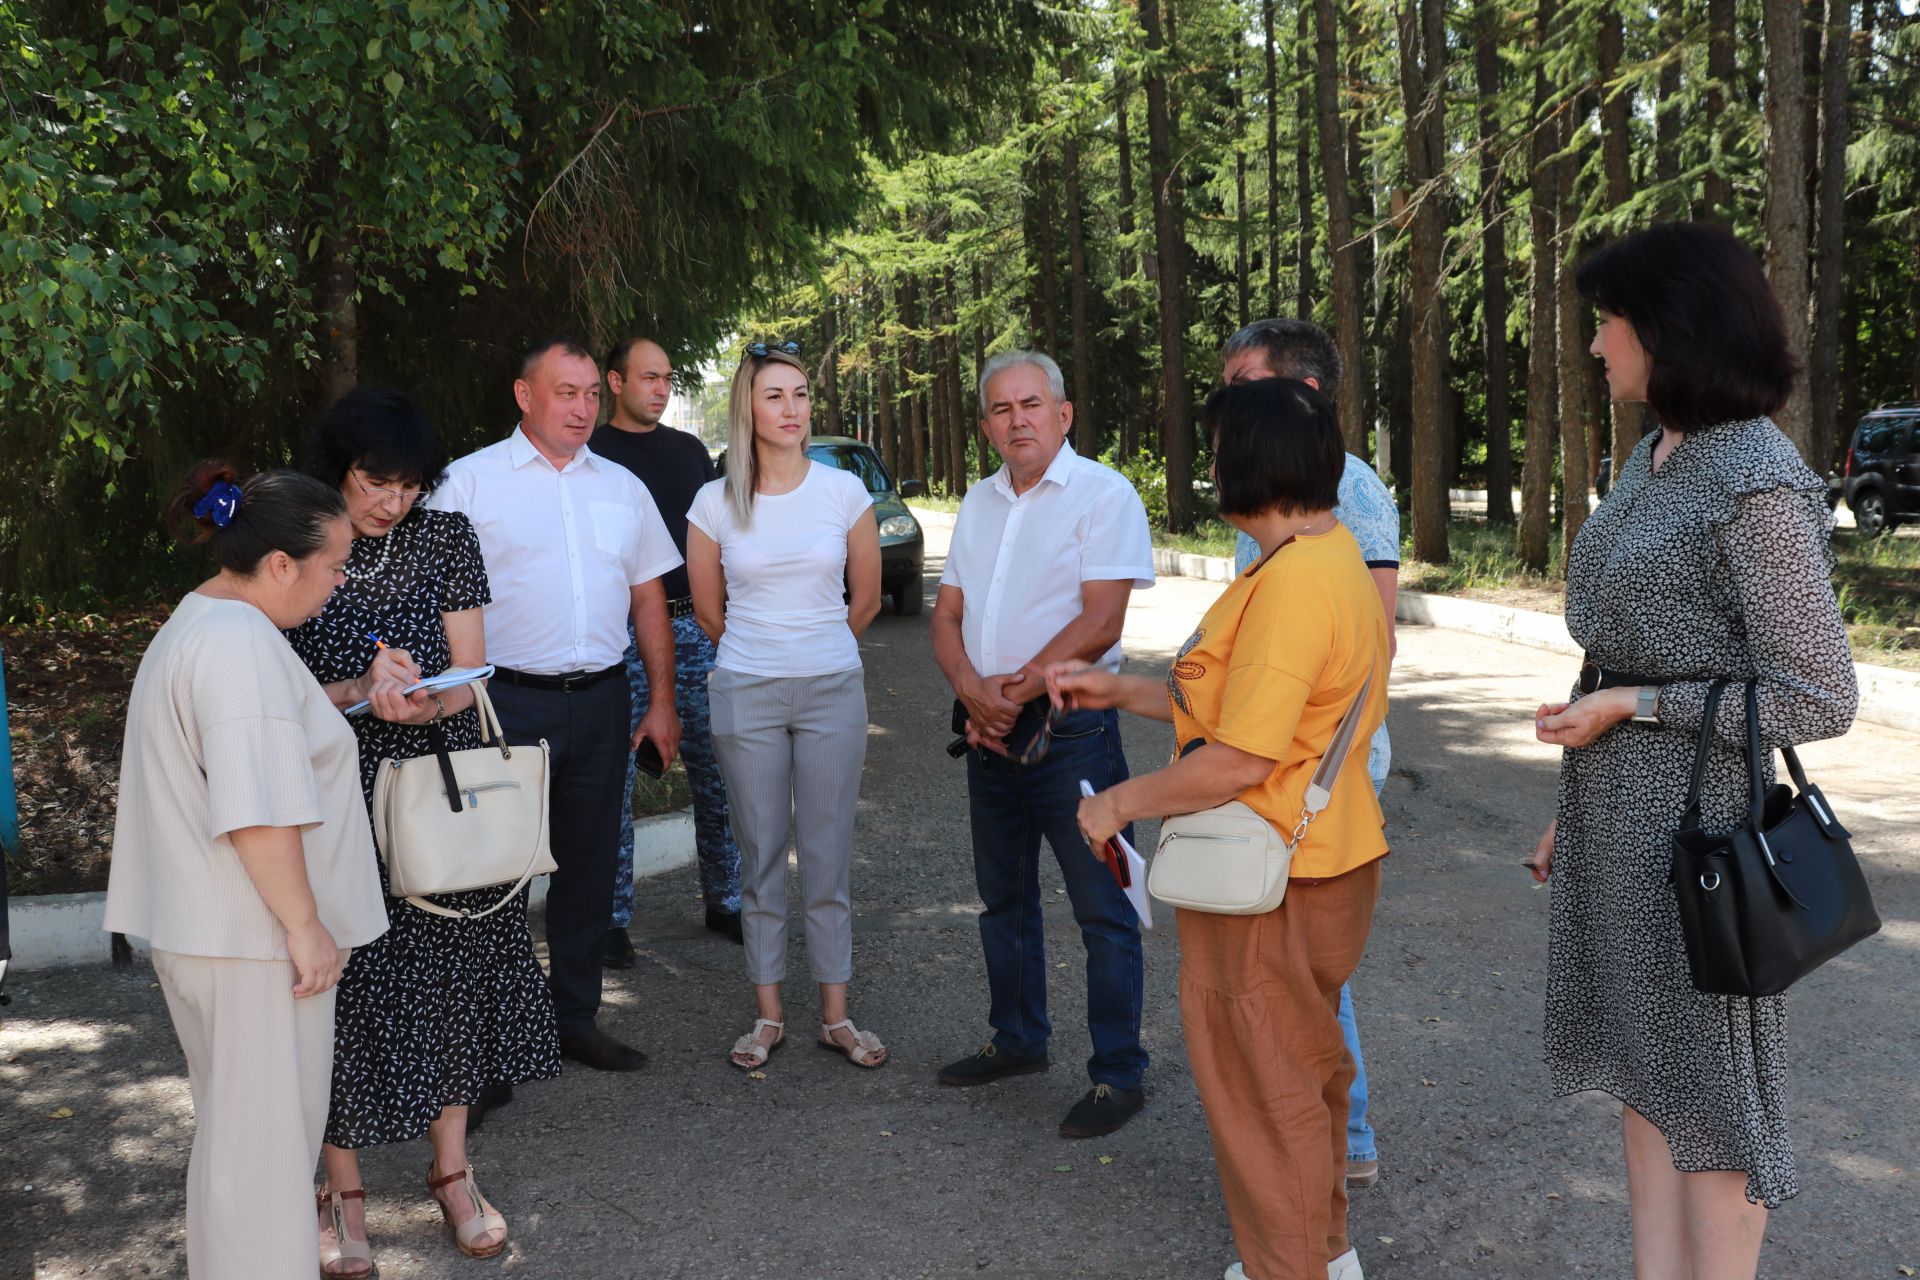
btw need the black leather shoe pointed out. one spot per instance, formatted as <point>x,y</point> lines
<point>596,1049</point>
<point>726,924</point>
<point>616,949</point>
<point>1102,1111</point>
<point>988,1065</point>
<point>492,1098</point>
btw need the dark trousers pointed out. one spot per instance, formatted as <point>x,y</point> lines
<point>586,732</point>
<point>1013,807</point>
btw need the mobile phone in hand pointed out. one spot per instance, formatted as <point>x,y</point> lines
<point>646,758</point>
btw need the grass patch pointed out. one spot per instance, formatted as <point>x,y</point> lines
<point>1209,537</point>
<point>935,502</point>
<point>1877,582</point>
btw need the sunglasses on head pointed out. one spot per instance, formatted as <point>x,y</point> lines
<point>761,350</point>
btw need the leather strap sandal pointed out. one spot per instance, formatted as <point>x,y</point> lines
<point>341,1256</point>
<point>485,1220</point>
<point>866,1051</point>
<point>749,1052</point>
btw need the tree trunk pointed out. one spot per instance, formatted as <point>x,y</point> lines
<point>1241,283</point>
<point>339,315</point>
<point>1786,215</point>
<point>1138,419</point>
<point>1668,120</point>
<point>959,421</point>
<point>1340,240</point>
<point>1493,272</point>
<point>971,393</point>
<point>1536,477</point>
<point>916,415</point>
<point>1273,157</point>
<point>1306,285</point>
<point>1616,106</point>
<point>1086,422</point>
<point>883,389</point>
<point>830,365</point>
<point>1829,258</point>
<point>1176,431</point>
<point>1716,201</point>
<point>1423,70</point>
<point>1576,413</point>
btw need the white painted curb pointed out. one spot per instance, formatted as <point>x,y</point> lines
<point>55,930</point>
<point>1888,695</point>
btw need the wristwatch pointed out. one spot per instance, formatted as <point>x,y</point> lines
<point>1646,704</point>
<point>440,711</point>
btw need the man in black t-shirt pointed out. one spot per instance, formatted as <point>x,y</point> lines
<point>673,465</point>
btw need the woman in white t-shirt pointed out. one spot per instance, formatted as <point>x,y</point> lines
<point>784,558</point>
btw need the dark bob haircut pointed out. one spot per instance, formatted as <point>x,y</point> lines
<point>383,433</point>
<point>279,511</point>
<point>1292,349</point>
<point>1701,306</point>
<point>1276,446</point>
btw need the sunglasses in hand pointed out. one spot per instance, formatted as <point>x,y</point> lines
<point>1042,740</point>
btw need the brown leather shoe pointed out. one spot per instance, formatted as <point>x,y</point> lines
<point>595,1048</point>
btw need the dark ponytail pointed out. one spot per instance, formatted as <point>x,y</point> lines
<point>277,511</point>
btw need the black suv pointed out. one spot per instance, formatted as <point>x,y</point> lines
<point>1881,477</point>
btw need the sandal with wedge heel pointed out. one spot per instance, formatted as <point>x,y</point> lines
<point>336,1246</point>
<point>484,1220</point>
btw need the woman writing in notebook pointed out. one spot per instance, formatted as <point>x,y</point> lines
<point>1255,698</point>
<point>439,1010</point>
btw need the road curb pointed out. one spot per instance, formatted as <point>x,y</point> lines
<point>1888,696</point>
<point>56,930</point>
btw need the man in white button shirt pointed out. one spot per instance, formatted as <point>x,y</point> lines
<point>574,547</point>
<point>1045,555</point>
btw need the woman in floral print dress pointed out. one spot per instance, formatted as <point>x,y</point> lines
<point>1709,559</point>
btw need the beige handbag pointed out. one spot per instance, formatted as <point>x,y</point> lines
<point>457,820</point>
<point>1230,861</point>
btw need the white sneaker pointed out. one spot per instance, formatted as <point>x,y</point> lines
<point>1344,1267</point>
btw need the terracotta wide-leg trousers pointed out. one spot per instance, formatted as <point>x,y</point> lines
<point>261,1065</point>
<point>1260,1000</point>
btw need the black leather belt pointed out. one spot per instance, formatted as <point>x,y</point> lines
<point>1594,677</point>
<point>681,608</point>
<point>572,682</point>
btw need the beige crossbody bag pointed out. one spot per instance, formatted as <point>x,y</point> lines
<point>455,820</point>
<point>1230,861</point>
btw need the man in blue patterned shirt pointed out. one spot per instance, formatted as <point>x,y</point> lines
<point>1304,351</point>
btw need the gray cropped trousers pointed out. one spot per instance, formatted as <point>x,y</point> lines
<point>791,749</point>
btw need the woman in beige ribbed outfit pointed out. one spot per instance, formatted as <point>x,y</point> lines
<point>241,853</point>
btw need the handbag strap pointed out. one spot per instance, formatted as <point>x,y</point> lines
<point>434,908</point>
<point>1319,793</point>
<point>490,730</point>
<point>1755,778</point>
<point>1690,816</point>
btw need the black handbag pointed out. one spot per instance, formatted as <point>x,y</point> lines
<point>1769,902</point>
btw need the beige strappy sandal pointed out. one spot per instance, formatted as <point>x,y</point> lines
<point>485,1219</point>
<point>867,1052</point>
<point>748,1053</point>
<point>341,1256</point>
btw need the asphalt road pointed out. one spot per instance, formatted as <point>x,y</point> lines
<point>694,1170</point>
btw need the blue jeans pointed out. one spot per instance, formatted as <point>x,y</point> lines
<point>1012,807</point>
<point>713,836</point>
<point>1359,1132</point>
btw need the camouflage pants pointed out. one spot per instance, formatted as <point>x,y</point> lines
<point>719,855</point>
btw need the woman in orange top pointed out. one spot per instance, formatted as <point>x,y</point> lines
<point>1254,698</point>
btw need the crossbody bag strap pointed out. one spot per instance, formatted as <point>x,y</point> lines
<point>1755,777</point>
<point>1319,792</point>
<point>1690,816</point>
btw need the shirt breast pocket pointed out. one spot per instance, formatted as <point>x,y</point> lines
<point>613,527</point>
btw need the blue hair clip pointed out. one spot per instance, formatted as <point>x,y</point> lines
<point>221,504</point>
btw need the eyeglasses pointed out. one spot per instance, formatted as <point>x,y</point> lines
<point>405,497</point>
<point>1042,740</point>
<point>761,350</point>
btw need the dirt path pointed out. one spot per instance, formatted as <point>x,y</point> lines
<point>692,1170</point>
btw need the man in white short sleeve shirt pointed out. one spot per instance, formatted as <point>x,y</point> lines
<point>1045,555</point>
<point>574,546</point>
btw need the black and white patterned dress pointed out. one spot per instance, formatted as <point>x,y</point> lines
<point>437,1008</point>
<point>1716,565</point>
